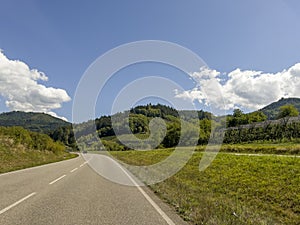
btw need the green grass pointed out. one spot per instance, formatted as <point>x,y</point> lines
<point>232,190</point>
<point>15,157</point>
<point>264,148</point>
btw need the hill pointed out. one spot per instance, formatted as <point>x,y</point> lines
<point>272,110</point>
<point>37,122</point>
<point>138,123</point>
<point>57,129</point>
<point>20,148</point>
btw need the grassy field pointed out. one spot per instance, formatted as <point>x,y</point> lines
<point>233,190</point>
<point>14,157</point>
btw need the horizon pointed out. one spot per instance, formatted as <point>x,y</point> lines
<point>144,105</point>
<point>247,50</point>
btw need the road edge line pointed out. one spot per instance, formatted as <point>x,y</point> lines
<point>147,197</point>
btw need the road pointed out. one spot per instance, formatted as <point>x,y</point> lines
<point>71,192</point>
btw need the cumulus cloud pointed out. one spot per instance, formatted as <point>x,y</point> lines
<point>22,92</point>
<point>246,89</point>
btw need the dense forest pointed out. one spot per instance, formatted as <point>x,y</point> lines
<point>181,127</point>
<point>57,129</point>
<point>236,128</point>
<point>138,124</point>
<point>33,121</point>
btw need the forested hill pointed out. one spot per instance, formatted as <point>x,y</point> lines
<point>137,120</point>
<point>57,129</point>
<point>20,148</point>
<point>165,111</point>
<point>272,110</point>
<point>37,122</point>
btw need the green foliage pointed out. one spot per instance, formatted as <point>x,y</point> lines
<point>64,135</point>
<point>239,118</point>
<point>173,135</point>
<point>57,129</point>
<point>281,130</point>
<point>112,146</point>
<point>287,111</point>
<point>205,129</point>
<point>155,110</point>
<point>20,148</point>
<point>243,128</point>
<point>138,123</point>
<point>104,127</point>
<point>31,140</point>
<point>14,157</point>
<point>256,116</point>
<point>38,122</point>
<point>137,120</point>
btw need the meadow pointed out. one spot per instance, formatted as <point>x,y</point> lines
<point>234,189</point>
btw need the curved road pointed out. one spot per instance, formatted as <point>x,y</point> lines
<point>70,192</point>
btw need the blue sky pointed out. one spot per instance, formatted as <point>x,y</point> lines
<point>62,38</point>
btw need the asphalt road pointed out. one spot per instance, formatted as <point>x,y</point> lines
<point>70,192</point>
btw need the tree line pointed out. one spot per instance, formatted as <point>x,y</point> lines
<point>241,127</point>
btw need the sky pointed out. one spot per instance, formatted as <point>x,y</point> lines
<point>250,49</point>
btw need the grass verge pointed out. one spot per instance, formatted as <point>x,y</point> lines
<point>15,157</point>
<point>232,190</point>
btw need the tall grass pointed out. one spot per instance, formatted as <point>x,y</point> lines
<point>18,157</point>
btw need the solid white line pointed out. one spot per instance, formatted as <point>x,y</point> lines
<point>57,179</point>
<point>73,170</point>
<point>155,206</point>
<point>17,203</point>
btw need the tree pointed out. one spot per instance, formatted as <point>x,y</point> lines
<point>237,113</point>
<point>257,116</point>
<point>287,111</point>
<point>238,118</point>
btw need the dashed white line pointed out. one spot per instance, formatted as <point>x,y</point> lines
<point>16,203</point>
<point>83,164</point>
<point>57,179</point>
<point>73,170</point>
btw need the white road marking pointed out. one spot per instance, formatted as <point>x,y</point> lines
<point>57,179</point>
<point>73,170</point>
<point>17,203</point>
<point>155,206</point>
<point>83,164</point>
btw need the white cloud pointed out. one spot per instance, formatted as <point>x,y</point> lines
<point>247,89</point>
<point>20,88</point>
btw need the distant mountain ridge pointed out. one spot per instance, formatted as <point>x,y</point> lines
<point>272,110</point>
<point>45,123</point>
<point>138,123</point>
<point>33,121</point>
